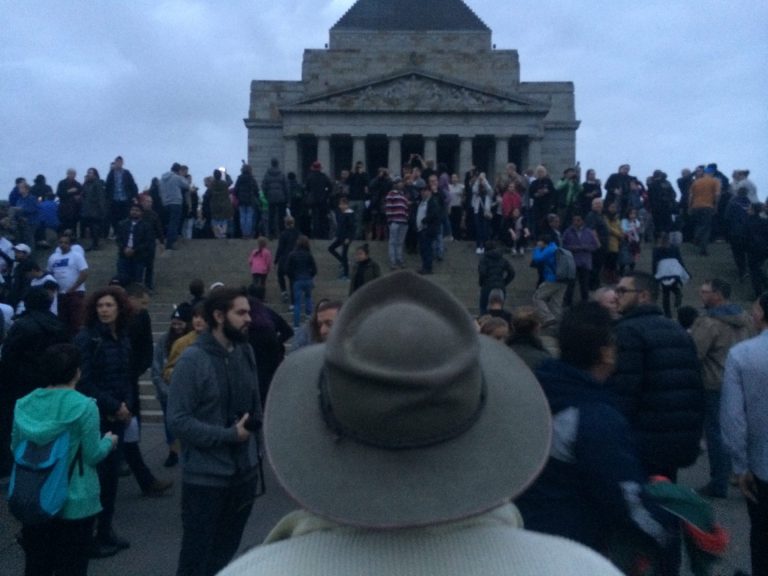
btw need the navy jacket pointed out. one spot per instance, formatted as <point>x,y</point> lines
<point>106,369</point>
<point>592,483</point>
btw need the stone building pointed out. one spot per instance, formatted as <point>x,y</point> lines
<point>400,77</point>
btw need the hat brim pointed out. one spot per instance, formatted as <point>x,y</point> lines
<point>361,485</point>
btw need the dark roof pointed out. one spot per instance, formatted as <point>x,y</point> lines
<point>409,15</point>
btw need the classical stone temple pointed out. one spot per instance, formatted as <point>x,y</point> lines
<point>400,77</point>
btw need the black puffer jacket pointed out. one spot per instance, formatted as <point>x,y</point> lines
<point>659,389</point>
<point>495,271</point>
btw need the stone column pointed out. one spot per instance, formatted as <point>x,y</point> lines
<point>358,151</point>
<point>395,156</point>
<point>430,149</point>
<point>534,153</point>
<point>465,156</point>
<point>324,153</point>
<point>502,156</point>
<point>291,155</point>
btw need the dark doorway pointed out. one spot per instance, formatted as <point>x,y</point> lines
<point>483,148</point>
<point>377,153</point>
<point>412,144</point>
<point>341,154</point>
<point>307,154</point>
<point>447,147</point>
<point>517,147</point>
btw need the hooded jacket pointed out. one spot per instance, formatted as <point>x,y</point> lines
<point>172,188</point>
<point>592,483</point>
<point>47,412</point>
<point>714,335</point>
<point>211,388</point>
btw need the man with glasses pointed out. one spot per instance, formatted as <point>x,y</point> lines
<point>658,384</point>
<point>657,378</point>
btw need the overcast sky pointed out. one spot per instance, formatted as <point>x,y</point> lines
<point>659,84</point>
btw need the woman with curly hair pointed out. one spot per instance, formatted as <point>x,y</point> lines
<point>106,353</point>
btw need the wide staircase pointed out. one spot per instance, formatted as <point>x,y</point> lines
<point>227,261</point>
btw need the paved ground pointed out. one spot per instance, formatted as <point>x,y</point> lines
<point>154,526</point>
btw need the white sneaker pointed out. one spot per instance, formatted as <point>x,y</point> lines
<point>478,250</point>
<point>514,251</point>
<point>522,251</point>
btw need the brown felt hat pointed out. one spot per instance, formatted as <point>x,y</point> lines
<point>405,417</point>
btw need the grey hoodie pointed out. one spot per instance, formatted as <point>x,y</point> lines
<point>171,188</point>
<point>211,388</point>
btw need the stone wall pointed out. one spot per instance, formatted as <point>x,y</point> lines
<point>466,55</point>
<point>264,143</point>
<point>560,96</point>
<point>268,95</point>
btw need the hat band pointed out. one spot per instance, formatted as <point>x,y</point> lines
<point>343,431</point>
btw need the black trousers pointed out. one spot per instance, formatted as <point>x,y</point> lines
<point>57,547</point>
<point>213,519</point>
<point>109,476</point>
<point>758,533</point>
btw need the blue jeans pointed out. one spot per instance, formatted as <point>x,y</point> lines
<point>397,232</point>
<point>213,518</point>
<point>174,224</point>
<point>246,221</point>
<point>719,460</point>
<point>302,286</point>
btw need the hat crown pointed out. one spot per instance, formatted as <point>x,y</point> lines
<point>402,367</point>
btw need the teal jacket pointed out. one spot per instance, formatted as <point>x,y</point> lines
<point>47,412</point>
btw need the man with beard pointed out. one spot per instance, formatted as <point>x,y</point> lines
<point>214,409</point>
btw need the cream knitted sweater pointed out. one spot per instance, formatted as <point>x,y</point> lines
<point>491,544</point>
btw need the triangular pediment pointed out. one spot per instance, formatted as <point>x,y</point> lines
<point>417,92</point>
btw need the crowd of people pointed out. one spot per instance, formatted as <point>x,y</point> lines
<point>625,390</point>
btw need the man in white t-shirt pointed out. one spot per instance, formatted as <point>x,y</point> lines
<point>69,268</point>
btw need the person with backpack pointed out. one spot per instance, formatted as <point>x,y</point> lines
<point>548,297</point>
<point>59,414</point>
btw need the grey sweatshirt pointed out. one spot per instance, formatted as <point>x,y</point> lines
<point>211,388</point>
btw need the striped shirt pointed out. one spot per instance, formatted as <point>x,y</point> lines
<point>744,406</point>
<point>396,207</point>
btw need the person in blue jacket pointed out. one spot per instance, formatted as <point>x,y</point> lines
<point>548,297</point>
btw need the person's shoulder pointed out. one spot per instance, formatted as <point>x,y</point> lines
<point>338,550</point>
